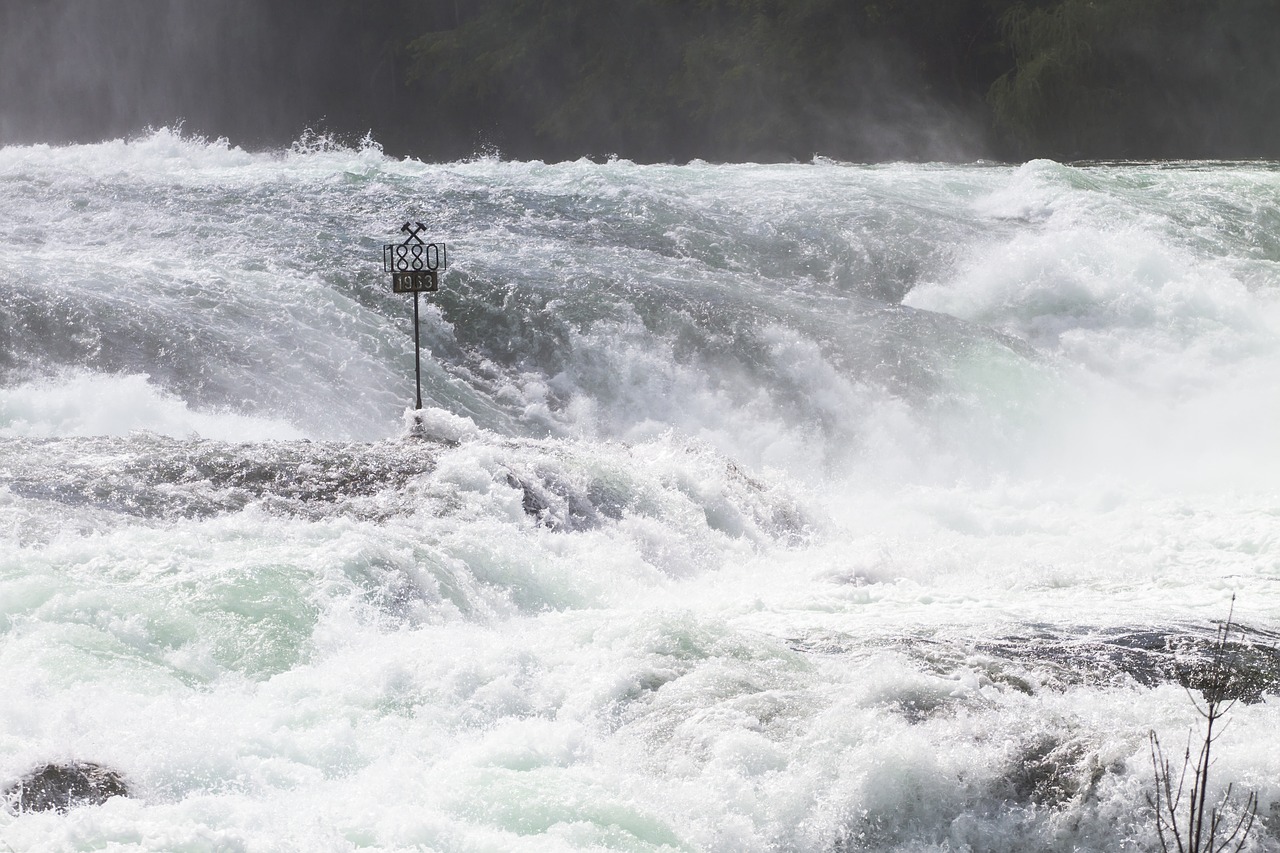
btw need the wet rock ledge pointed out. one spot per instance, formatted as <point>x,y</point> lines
<point>62,787</point>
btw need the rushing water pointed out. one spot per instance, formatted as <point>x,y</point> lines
<point>810,507</point>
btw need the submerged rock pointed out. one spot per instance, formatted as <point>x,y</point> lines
<point>155,477</point>
<point>60,787</point>
<point>1055,658</point>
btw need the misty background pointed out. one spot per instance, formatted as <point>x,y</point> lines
<point>657,80</point>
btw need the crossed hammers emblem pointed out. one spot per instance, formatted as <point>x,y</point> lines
<point>413,232</point>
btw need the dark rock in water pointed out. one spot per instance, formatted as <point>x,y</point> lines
<point>1051,771</point>
<point>533,503</point>
<point>558,505</point>
<point>59,787</point>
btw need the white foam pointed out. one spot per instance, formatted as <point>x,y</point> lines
<point>85,404</point>
<point>1157,350</point>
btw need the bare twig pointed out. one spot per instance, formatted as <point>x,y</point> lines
<point>1217,697</point>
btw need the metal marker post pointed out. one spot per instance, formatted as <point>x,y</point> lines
<point>417,355</point>
<point>415,268</point>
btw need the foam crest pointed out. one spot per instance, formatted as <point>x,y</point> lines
<point>1158,346</point>
<point>1109,299</point>
<point>162,151</point>
<point>171,154</point>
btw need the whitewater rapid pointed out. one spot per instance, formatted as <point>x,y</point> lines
<point>809,507</point>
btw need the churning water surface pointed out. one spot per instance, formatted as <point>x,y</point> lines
<point>811,507</point>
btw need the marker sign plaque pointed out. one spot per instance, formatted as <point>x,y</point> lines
<point>414,264</point>
<point>415,281</point>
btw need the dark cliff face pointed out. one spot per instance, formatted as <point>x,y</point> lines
<point>656,80</point>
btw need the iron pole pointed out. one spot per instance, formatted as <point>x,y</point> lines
<point>417,352</point>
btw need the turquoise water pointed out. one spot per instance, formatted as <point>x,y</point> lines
<point>812,507</point>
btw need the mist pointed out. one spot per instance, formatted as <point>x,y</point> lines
<point>656,80</point>
<point>257,73</point>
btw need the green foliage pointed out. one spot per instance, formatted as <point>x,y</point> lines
<point>530,69</point>
<point>1074,69</point>
<point>1138,78</point>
